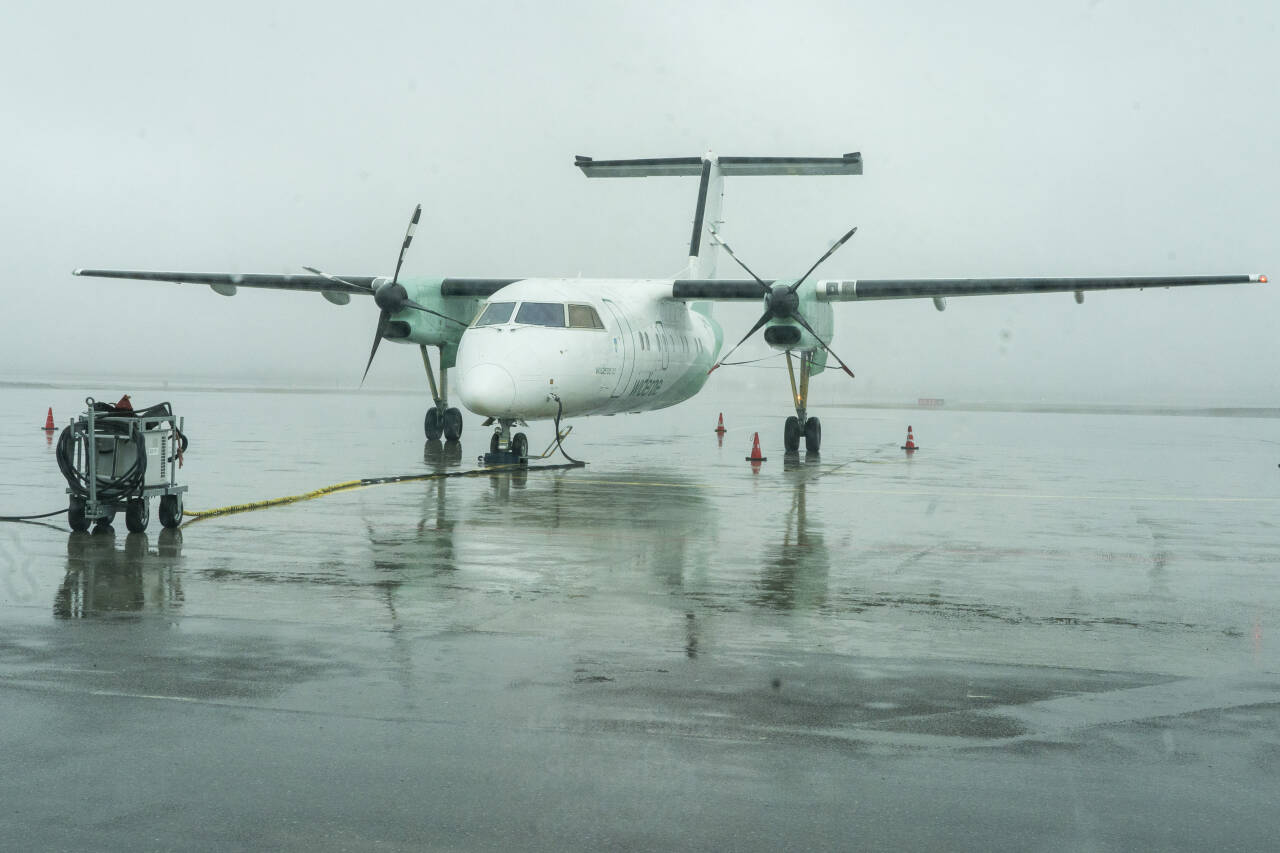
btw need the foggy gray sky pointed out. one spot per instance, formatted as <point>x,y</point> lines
<point>999,139</point>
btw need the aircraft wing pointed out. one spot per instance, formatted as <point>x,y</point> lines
<point>852,290</point>
<point>225,282</point>
<point>313,283</point>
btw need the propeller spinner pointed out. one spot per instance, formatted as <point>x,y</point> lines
<point>782,302</point>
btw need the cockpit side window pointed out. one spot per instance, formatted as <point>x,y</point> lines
<point>541,314</point>
<point>584,317</point>
<point>495,313</point>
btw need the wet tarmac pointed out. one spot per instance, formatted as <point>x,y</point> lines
<point>1040,631</point>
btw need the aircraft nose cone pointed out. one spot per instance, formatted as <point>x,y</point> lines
<point>488,389</point>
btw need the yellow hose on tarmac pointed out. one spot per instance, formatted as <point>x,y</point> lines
<point>198,515</point>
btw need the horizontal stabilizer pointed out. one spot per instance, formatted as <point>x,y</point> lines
<point>849,164</point>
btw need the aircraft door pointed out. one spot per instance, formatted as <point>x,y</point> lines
<point>625,345</point>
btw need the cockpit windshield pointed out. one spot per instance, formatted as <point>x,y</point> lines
<point>495,313</point>
<point>541,314</point>
<point>551,314</point>
<point>584,317</point>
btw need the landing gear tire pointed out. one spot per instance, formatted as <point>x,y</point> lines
<point>520,446</point>
<point>433,424</point>
<point>493,443</point>
<point>171,510</point>
<point>75,514</point>
<point>137,512</point>
<point>812,435</point>
<point>791,435</point>
<point>452,424</point>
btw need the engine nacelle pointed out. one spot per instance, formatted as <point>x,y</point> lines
<point>789,335</point>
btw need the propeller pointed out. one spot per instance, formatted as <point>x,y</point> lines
<point>781,301</point>
<point>390,296</point>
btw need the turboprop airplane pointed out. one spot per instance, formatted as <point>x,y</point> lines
<point>531,349</point>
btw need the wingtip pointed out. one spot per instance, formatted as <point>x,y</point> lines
<point>78,271</point>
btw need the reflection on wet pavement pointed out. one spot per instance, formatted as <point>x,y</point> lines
<point>103,578</point>
<point>663,649</point>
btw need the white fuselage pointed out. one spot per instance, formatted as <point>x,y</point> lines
<point>635,350</point>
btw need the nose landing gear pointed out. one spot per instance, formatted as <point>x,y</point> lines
<point>505,448</point>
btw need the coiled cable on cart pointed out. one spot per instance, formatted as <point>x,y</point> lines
<point>128,482</point>
<point>114,488</point>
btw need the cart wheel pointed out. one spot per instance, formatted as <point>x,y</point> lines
<point>75,514</point>
<point>171,510</point>
<point>137,512</point>
<point>106,520</point>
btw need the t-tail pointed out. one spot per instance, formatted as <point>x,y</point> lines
<point>711,171</point>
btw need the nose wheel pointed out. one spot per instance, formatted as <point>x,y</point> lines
<point>506,448</point>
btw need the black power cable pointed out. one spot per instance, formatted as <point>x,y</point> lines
<point>32,517</point>
<point>559,409</point>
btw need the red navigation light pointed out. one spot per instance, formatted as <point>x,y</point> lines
<point>1262,278</point>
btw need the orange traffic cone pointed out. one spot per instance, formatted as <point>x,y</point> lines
<point>720,426</point>
<point>48,421</point>
<point>755,449</point>
<point>911,441</point>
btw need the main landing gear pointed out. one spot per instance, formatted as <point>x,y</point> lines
<point>800,424</point>
<point>440,419</point>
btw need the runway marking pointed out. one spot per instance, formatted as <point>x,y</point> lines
<point>120,695</point>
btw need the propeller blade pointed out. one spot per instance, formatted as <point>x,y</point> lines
<point>738,261</point>
<point>408,238</point>
<point>377,339</point>
<point>409,303</point>
<point>805,323</point>
<point>764,318</point>
<point>829,253</point>
<point>334,278</point>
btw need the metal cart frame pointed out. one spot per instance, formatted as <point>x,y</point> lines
<point>83,510</point>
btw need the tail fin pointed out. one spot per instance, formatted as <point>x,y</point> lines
<point>713,169</point>
<point>706,217</point>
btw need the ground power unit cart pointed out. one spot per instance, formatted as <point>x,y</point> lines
<point>117,458</point>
